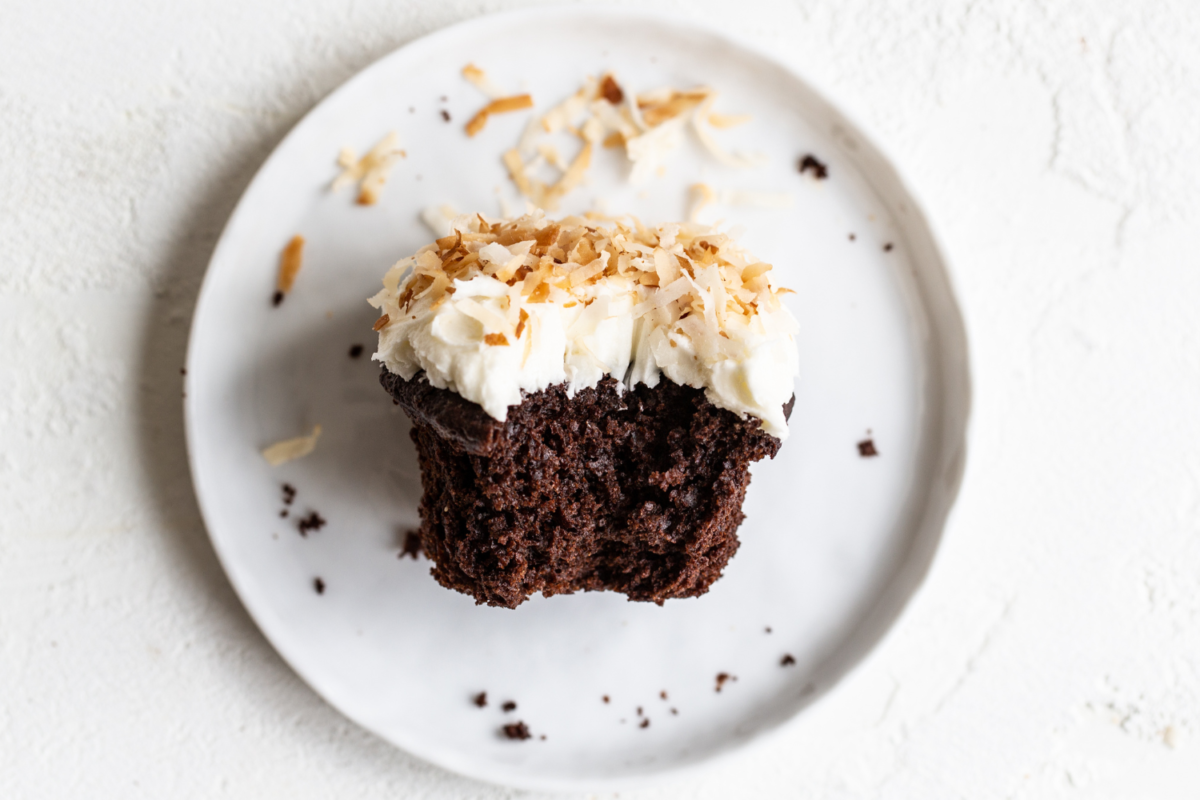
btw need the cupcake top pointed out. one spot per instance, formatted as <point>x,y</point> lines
<point>511,306</point>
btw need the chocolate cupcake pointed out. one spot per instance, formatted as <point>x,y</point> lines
<point>586,401</point>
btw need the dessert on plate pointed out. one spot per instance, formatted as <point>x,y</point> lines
<point>586,401</point>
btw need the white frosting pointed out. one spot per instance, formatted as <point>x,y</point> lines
<point>611,325</point>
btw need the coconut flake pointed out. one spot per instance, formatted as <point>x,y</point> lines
<point>756,199</point>
<point>501,105</point>
<point>291,449</point>
<point>371,171</point>
<point>439,219</point>
<point>479,79</point>
<point>735,160</point>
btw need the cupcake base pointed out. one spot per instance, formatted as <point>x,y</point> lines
<point>638,492</point>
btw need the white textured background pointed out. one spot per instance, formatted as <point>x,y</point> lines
<point>1056,648</point>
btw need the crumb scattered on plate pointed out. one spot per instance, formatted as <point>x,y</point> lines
<point>319,585</point>
<point>412,544</point>
<point>866,448</point>
<point>517,730</point>
<point>356,350</point>
<point>480,699</point>
<point>508,706</point>
<point>809,163</point>
<point>313,522</point>
<point>723,678</point>
<point>787,660</point>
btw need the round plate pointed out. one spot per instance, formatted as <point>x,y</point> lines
<point>834,543</point>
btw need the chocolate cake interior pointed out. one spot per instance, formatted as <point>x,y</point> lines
<point>638,492</point>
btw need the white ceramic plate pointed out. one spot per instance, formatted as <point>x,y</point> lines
<point>833,545</point>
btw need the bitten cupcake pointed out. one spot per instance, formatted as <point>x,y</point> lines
<point>586,401</point>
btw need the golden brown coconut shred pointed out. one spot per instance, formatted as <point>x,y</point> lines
<point>691,268</point>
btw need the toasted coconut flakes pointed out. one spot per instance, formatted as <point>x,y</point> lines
<point>691,284</point>
<point>291,449</point>
<point>381,323</point>
<point>501,105</point>
<point>479,79</point>
<point>658,107</point>
<point>754,199</point>
<point>489,319</point>
<point>552,156</point>
<point>533,189</point>
<point>648,150</point>
<point>565,112</point>
<point>614,139</point>
<point>371,171</point>
<point>570,179</point>
<point>289,264</point>
<point>610,90</point>
<point>592,131</point>
<point>728,120</point>
<point>527,146</point>
<point>736,160</point>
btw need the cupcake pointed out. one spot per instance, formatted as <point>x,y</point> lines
<point>586,401</point>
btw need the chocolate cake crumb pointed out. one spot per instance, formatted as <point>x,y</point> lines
<point>445,115</point>
<point>768,629</point>
<point>283,512</point>
<point>663,694</point>
<point>787,660</point>
<point>517,730</point>
<point>675,711</point>
<point>277,298</point>
<point>887,248</point>
<point>639,710</point>
<point>356,350</point>
<point>638,492</point>
<point>412,544</point>
<point>289,494</point>
<point>645,724</point>
<point>810,162</point>
<point>542,737</point>
<point>480,699</point>
<point>722,677</point>
<point>866,448</point>
<point>853,237</point>
<point>605,698</point>
<point>319,585</point>
<point>313,522</point>
<point>508,706</point>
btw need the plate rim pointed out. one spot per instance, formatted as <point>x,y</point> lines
<point>949,466</point>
